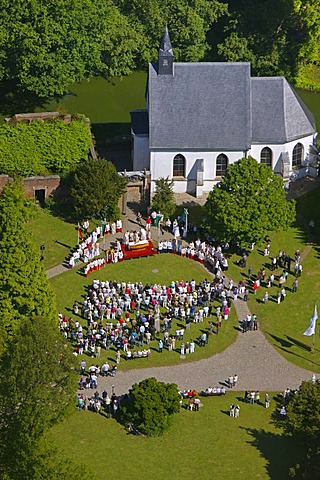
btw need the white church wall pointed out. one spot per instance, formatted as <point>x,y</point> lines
<point>277,150</point>
<point>161,165</point>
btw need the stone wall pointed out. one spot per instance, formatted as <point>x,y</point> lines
<point>47,183</point>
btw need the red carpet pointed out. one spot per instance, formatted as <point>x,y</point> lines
<point>143,252</point>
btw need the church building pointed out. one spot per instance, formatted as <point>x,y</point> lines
<point>202,117</point>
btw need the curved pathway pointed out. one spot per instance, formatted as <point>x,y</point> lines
<point>258,365</point>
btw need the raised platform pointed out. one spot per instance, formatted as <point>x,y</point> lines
<point>141,252</point>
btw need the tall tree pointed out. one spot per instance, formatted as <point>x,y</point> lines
<point>303,422</point>
<point>188,22</point>
<point>97,187</point>
<point>24,287</point>
<point>38,381</point>
<point>46,46</point>
<point>247,203</point>
<point>163,200</point>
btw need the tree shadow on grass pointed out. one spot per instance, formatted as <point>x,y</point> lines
<point>279,450</point>
<point>299,344</point>
<point>281,341</point>
<point>300,356</point>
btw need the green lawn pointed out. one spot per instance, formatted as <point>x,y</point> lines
<point>58,236</point>
<point>71,286</point>
<point>283,324</point>
<point>203,445</point>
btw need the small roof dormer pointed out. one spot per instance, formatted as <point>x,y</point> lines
<point>165,57</point>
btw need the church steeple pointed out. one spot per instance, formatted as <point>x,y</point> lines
<point>165,58</point>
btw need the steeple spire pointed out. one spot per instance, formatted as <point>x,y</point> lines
<point>165,58</point>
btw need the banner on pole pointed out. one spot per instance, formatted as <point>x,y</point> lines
<point>312,327</point>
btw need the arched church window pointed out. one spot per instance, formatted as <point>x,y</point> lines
<point>297,155</point>
<point>266,156</point>
<point>179,165</point>
<point>221,165</point>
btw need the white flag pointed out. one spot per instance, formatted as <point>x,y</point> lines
<point>312,327</point>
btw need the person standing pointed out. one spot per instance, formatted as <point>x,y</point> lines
<point>160,346</point>
<point>295,286</point>
<point>279,298</point>
<point>237,411</point>
<point>231,410</point>
<point>139,219</point>
<point>118,356</point>
<point>196,403</point>
<point>267,402</point>
<point>235,380</point>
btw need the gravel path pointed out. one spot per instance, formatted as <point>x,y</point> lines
<point>257,364</point>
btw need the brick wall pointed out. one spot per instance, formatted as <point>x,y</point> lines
<point>47,183</point>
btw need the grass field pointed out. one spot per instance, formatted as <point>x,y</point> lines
<point>162,269</point>
<point>200,445</point>
<point>58,236</point>
<point>283,324</point>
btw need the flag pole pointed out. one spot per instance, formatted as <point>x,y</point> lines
<point>315,328</point>
<point>313,337</point>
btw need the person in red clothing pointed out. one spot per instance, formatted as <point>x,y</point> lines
<point>148,224</point>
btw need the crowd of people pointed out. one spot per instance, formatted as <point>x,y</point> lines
<point>128,316</point>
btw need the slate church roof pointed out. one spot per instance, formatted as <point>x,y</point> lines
<point>278,113</point>
<point>202,105</point>
<point>218,106</point>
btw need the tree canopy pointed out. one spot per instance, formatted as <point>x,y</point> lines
<point>303,422</point>
<point>163,200</point>
<point>25,291</point>
<point>96,189</point>
<point>277,41</point>
<point>247,203</point>
<point>45,47</point>
<point>38,147</point>
<point>38,382</point>
<point>149,406</point>
<point>37,371</point>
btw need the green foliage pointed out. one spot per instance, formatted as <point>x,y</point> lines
<point>149,406</point>
<point>277,41</point>
<point>37,385</point>
<point>163,200</point>
<point>24,288</point>
<point>46,47</point>
<point>308,77</point>
<point>188,22</point>
<point>35,148</point>
<point>304,414</point>
<point>303,422</point>
<point>247,203</point>
<point>97,185</point>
